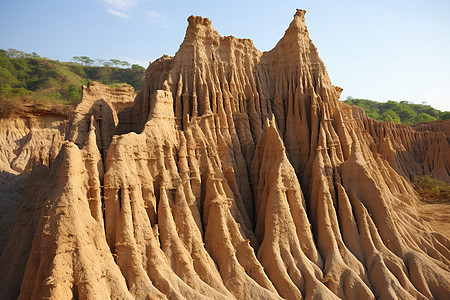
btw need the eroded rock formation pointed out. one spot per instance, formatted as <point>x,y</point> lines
<point>30,141</point>
<point>235,174</point>
<point>26,140</point>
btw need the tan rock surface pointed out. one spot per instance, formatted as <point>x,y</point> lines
<point>25,142</point>
<point>235,174</point>
<point>30,141</point>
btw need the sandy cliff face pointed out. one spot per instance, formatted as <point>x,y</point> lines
<point>30,142</point>
<point>235,174</point>
<point>26,141</point>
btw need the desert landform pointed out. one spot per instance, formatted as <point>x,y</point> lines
<point>232,174</point>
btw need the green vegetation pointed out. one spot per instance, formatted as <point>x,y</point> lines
<point>399,112</point>
<point>25,76</point>
<point>432,189</point>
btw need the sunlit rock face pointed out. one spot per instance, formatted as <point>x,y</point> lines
<point>236,174</point>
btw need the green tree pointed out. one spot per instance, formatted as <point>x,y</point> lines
<point>390,116</point>
<point>392,105</point>
<point>423,117</point>
<point>20,91</point>
<point>5,89</point>
<point>374,115</point>
<point>71,92</point>
<point>137,68</point>
<point>77,60</point>
<point>14,53</point>
<point>115,62</point>
<point>107,63</point>
<point>87,61</point>
<point>124,64</point>
<point>430,111</point>
<point>406,113</point>
<point>6,76</point>
<point>445,115</point>
<point>78,70</point>
<point>83,60</point>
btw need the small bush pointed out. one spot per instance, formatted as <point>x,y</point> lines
<point>431,188</point>
<point>20,92</point>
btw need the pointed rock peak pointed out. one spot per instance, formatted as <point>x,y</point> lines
<point>199,28</point>
<point>198,21</point>
<point>295,40</point>
<point>298,25</point>
<point>272,136</point>
<point>271,122</point>
<point>296,48</point>
<point>300,13</point>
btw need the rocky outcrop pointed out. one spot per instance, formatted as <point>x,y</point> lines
<point>235,174</point>
<point>26,141</point>
<point>439,126</point>
<point>30,141</point>
<point>422,151</point>
<point>101,104</point>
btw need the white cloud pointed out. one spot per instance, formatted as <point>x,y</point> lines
<point>121,4</point>
<point>125,9</point>
<point>118,13</point>
<point>120,8</point>
<point>158,19</point>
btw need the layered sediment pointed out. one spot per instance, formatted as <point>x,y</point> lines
<point>236,174</point>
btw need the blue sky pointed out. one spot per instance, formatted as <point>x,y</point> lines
<point>380,50</point>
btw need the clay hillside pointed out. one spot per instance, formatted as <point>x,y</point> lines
<point>233,174</point>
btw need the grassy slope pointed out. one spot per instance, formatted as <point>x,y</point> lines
<point>30,78</point>
<point>400,112</point>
